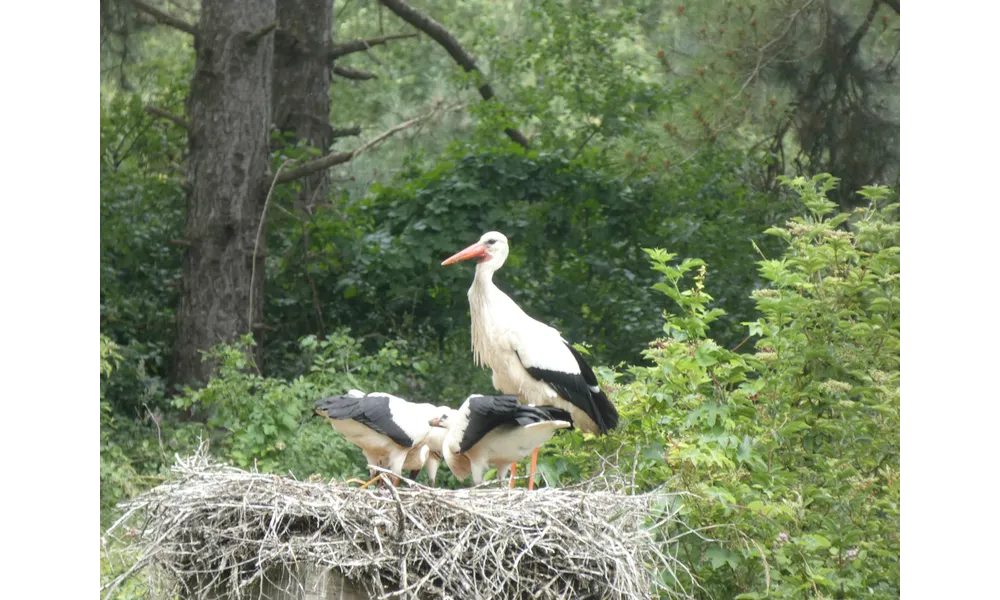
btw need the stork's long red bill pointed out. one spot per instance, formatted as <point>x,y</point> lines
<point>477,250</point>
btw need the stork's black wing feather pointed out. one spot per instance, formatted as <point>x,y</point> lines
<point>486,413</point>
<point>582,390</point>
<point>371,410</point>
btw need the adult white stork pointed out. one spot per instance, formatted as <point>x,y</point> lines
<point>495,431</point>
<point>391,432</point>
<point>529,358</point>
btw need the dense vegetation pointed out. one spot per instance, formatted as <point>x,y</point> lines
<point>670,215</point>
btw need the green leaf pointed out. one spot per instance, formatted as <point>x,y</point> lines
<point>706,353</point>
<point>814,541</point>
<point>719,556</point>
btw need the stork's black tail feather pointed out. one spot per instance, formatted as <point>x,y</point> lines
<point>606,410</point>
<point>549,413</point>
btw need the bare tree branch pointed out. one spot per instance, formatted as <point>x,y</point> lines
<point>346,132</point>
<point>337,158</point>
<point>349,73</point>
<point>359,45</point>
<point>325,162</point>
<point>164,18</point>
<point>441,35</point>
<point>166,114</point>
<point>254,37</point>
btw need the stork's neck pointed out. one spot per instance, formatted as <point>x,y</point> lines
<point>484,275</point>
<point>482,294</point>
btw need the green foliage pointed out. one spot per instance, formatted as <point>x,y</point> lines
<point>142,210</point>
<point>576,237</point>
<point>772,393</point>
<point>792,452</point>
<point>268,423</point>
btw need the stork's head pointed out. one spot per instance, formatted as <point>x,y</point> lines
<point>441,418</point>
<point>490,251</point>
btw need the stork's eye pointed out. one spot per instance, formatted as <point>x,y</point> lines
<point>490,242</point>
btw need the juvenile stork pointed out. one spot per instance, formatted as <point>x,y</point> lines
<point>529,359</point>
<point>391,432</point>
<point>495,431</point>
<point>434,443</point>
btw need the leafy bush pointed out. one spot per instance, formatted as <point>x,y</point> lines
<point>792,453</point>
<point>268,422</point>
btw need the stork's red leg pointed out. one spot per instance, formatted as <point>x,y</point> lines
<point>531,477</point>
<point>513,472</point>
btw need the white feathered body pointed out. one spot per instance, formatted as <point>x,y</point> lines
<point>505,339</point>
<point>382,451</point>
<point>501,447</point>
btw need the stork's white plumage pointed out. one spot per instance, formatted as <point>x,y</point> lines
<point>435,444</point>
<point>529,358</point>
<point>495,431</point>
<point>390,431</point>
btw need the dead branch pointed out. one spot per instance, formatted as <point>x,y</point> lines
<point>447,41</point>
<point>255,36</point>
<point>166,114</point>
<point>256,243</point>
<point>165,18</point>
<point>324,162</point>
<point>349,73</point>
<point>337,158</point>
<point>359,45</point>
<point>346,132</point>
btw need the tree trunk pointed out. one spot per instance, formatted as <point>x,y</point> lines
<point>230,114</point>
<point>301,101</point>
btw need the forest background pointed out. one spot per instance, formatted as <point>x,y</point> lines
<point>284,177</point>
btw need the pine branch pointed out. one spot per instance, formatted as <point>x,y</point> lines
<point>164,18</point>
<point>439,34</point>
<point>359,45</point>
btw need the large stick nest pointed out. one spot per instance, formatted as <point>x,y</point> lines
<point>213,526</point>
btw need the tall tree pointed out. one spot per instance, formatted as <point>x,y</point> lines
<point>230,113</point>
<point>301,85</point>
<point>258,63</point>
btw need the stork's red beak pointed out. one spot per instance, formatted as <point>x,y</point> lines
<point>477,250</point>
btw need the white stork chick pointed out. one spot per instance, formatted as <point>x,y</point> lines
<point>495,431</point>
<point>434,442</point>
<point>390,431</point>
<point>429,455</point>
<point>529,358</point>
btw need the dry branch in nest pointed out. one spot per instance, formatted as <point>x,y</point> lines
<point>218,527</point>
